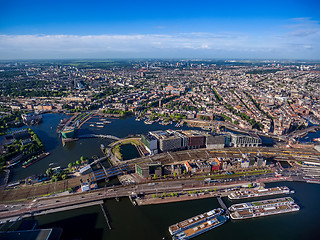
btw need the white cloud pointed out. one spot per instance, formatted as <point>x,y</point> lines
<point>194,44</point>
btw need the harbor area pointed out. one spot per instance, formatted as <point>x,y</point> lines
<point>188,193</point>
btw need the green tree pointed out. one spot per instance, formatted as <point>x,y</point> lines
<point>70,165</point>
<point>78,162</point>
<point>49,172</point>
<point>64,176</point>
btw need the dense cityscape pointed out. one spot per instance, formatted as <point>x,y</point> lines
<point>159,120</point>
<point>211,138</point>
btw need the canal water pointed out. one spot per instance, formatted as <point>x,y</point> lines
<point>129,151</point>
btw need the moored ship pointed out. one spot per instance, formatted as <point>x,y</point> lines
<point>261,204</point>
<point>200,228</point>
<point>34,159</point>
<point>197,225</point>
<point>251,193</point>
<point>264,209</point>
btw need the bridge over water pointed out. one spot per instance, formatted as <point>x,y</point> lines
<point>99,136</point>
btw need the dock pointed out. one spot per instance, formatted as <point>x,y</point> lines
<point>54,210</point>
<point>223,205</point>
<point>105,215</point>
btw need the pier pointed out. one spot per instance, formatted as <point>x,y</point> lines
<point>53,210</point>
<point>105,216</point>
<point>223,205</point>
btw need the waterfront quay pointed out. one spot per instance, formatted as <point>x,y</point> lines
<point>27,208</point>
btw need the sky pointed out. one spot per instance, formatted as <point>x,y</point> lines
<point>210,29</point>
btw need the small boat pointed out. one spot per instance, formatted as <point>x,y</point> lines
<point>91,125</point>
<point>51,164</point>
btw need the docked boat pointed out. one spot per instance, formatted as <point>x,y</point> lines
<point>34,159</point>
<point>251,193</point>
<point>316,139</point>
<point>260,204</point>
<point>200,228</point>
<point>197,225</point>
<point>263,208</point>
<point>148,122</point>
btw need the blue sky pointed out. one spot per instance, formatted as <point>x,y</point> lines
<point>159,29</point>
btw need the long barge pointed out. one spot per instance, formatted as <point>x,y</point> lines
<point>252,193</point>
<point>261,204</point>
<point>197,225</point>
<point>250,210</point>
<point>34,159</point>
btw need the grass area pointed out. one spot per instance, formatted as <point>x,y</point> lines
<point>116,151</point>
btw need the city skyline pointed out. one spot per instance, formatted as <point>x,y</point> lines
<point>239,30</point>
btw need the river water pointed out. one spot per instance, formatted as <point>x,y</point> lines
<point>152,222</point>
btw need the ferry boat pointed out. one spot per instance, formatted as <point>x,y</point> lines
<point>265,210</point>
<point>34,159</point>
<point>200,228</point>
<point>251,193</point>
